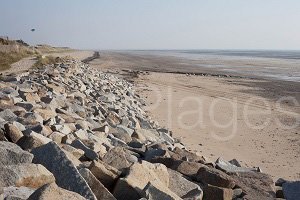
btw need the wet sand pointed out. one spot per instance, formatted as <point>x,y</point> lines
<point>220,114</point>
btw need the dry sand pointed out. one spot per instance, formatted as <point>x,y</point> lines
<point>219,116</point>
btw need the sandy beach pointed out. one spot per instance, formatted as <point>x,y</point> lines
<point>252,119</point>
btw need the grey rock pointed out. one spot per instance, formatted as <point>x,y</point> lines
<point>152,192</point>
<point>27,175</point>
<point>215,177</point>
<point>65,172</point>
<point>291,190</point>
<point>8,115</point>
<point>20,193</point>
<point>52,191</point>
<point>118,158</point>
<point>230,168</point>
<point>89,153</point>
<point>138,176</point>
<point>12,132</point>
<point>97,187</point>
<point>32,119</point>
<point>27,106</point>
<point>255,185</point>
<point>12,154</point>
<point>78,153</point>
<point>105,173</point>
<point>183,187</point>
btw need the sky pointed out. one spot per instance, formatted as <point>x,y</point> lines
<point>154,24</point>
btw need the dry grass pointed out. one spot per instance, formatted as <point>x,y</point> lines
<point>48,60</point>
<point>8,58</point>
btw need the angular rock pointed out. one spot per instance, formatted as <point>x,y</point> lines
<point>189,169</point>
<point>56,137</point>
<point>183,187</point>
<point>27,106</point>
<point>106,174</point>
<point>182,154</point>
<point>20,193</point>
<point>64,129</point>
<point>255,185</point>
<point>32,119</point>
<point>8,115</point>
<point>291,190</point>
<point>217,193</point>
<point>214,177</point>
<point>12,133</point>
<point>52,191</point>
<point>78,153</point>
<point>97,187</point>
<point>29,142</point>
<point>153,192</point>
<point>12,154</point>
<point>145,135</point>
<point>41,129</point>
<point>89,153</point>
<point>45,113</point>
<point>227,167</point>
<point>118,158</point>
<point>138,177</point>
<point>27,175</point>
<point>65,172</point>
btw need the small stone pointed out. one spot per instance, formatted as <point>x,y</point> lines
<point>45,114</point>
<point>89,153</point>
<point>12,133</point>
<point>41,129</point>
<point>8,115</point>
<point>28,106</point>
<point>78,153</point>
<point>32,119</point>
<point>56,137</point>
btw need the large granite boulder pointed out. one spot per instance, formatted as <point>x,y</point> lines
<point>27,175</point>
<point>65,172</point>
<point>97,187</point>
<point>12,154</point>
<point>139,175</point>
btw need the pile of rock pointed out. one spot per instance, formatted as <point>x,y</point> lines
<point>71,132</point>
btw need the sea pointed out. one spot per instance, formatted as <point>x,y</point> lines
<point>280,65</point>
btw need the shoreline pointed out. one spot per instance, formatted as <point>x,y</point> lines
<point>273,149</point>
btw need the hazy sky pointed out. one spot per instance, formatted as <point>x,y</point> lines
<point>154,24</point>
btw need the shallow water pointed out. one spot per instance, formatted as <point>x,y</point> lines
<point>281,65</point>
